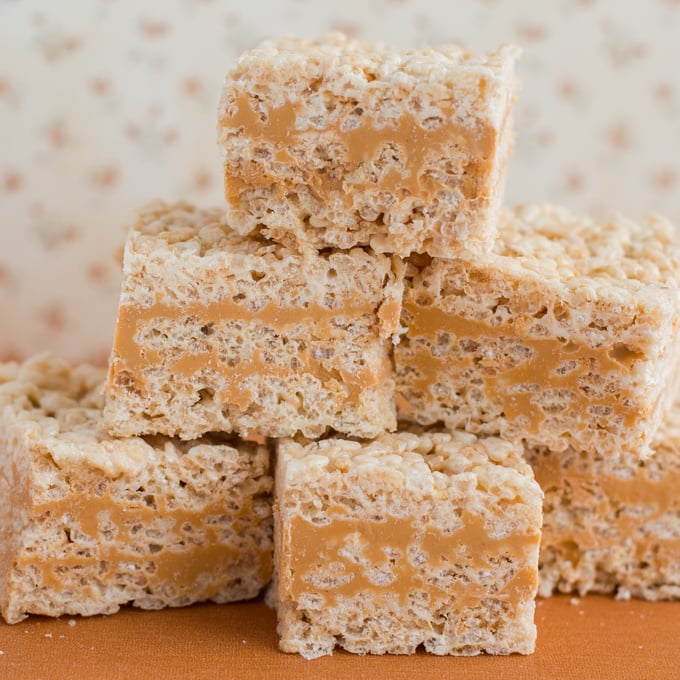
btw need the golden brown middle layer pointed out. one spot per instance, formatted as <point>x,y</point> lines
<point>204,553</point>
<point>553,364</point>
<point>362,143</point>
<point>350,550</point>
<point>134,358</point>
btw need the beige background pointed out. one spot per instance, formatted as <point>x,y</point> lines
<point>106,104</point>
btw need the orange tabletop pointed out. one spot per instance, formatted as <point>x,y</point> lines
<point>590,637</point>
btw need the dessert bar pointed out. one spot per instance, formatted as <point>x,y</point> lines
<point>337,143</point>
<point>409,539</point>
<point>89,524</point>
<point>566,334</point>
<point>222,332</point>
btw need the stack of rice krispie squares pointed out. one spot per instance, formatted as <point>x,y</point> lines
<point>557,333</point>
<point>280,320</point>
<point>565,337</point>
<point>415,537</point>
<point>363,257</point>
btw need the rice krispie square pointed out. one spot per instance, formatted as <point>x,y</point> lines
<point>410,539</point>
<point>337,143</point>
<point>230,333</point>
<point>566,334</point>
<point>89,523</point>
<point>612,523</point>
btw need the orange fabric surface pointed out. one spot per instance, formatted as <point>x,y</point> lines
<point>592,637</point>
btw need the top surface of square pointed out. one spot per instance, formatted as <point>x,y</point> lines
<point>608,256</point>
<point>55,407</point>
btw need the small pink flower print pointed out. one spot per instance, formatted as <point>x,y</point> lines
<point>10,353</point>
<point>531,33</point>
<point>170,136</point>
<point>52,318</point>
<point>53,234</point>
<point>203,179</point>
<point>56,135</point>
<point>105,177</point>
<point>664,179</point>
<point>13,181</point>
<point>351,30</point>
<point>153,29</point>
<point>598,210</point>
<point>623,48</point>
<point>96,272</point>
<point>573,181</point>
<point>72,43</point>
<point>618,137</point>
<point>100,86</point>
<point>545,138</point>
<point>132,131</point>
<point>155,110</point>
<point>56,46</point>
<point>70,233</point>
<point>568,89</point>
<point>4,87</point>
<point>232,20</point>
<point>421,22</point>
<point>664,92</point>
<point>192,86</point>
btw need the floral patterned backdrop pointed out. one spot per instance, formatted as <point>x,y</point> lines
<point>106,104</point>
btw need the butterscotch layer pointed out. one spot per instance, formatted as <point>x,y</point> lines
<point>362,141</point>
<point>92,552</point>
<point>566,334</point>
<point>314,323</point>
<point>382,560</point>
<point>218,332</point>
<point>189,549</point>
<point>516,385</point>
<point>611,525</point>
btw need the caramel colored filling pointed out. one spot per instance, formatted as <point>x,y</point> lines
<point>14,499</point>
<point>552,364</point>
<point>387,546</point>
<point>135,359</point>
<point>196,549</point>
<point>362,144</point>
<point>616,499</point>
<point>7,539</point>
